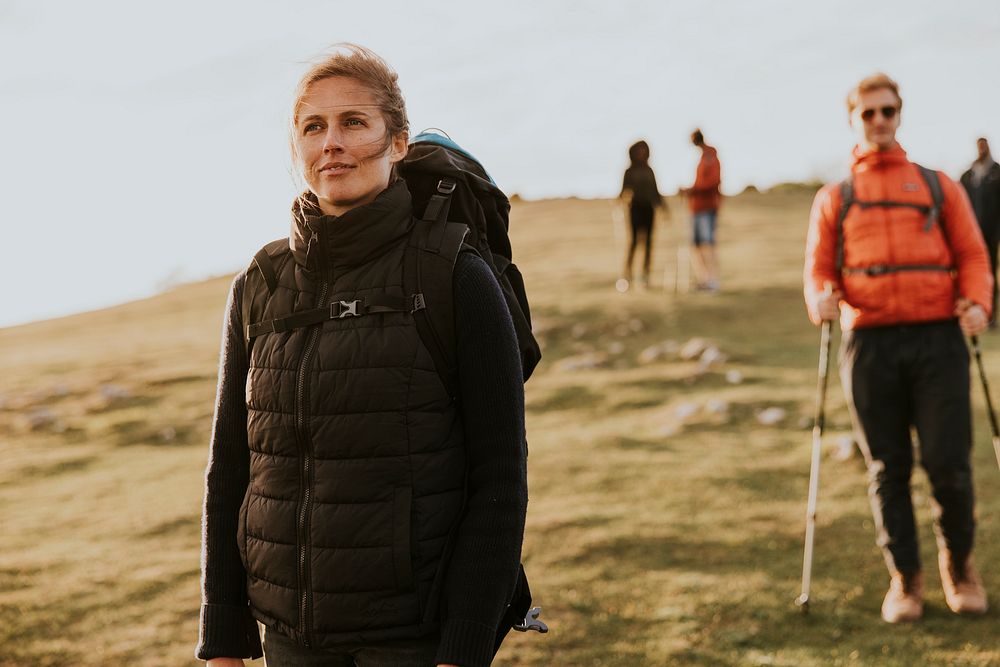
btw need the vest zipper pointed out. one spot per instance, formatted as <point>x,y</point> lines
<point>305,447</point>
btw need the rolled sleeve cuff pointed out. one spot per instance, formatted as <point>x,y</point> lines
<point>466,643</point>
<point>227,631</point>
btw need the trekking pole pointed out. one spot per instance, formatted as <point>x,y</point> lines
<point>817,442</point>
<point>986,393</point>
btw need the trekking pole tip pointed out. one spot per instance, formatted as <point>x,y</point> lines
<point>802,602</point>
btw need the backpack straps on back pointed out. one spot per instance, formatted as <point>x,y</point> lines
<point>937,197</point>
<point>261,281</point>
<point>846,201</point>
<point>428,266</point>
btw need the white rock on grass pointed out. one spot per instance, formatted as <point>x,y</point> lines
<point>635,325</point>
<point>710,356</point>
<point>845,448</point>
<point>168,434</point>
<point>579,330</point>
<point>771,416</point>
<point>693,349</point>
<point>733,376</point>
<point>650,354</point>
<point>717,406</point>
<point>111,392</point>
<point>41,418</point>
<point>685,410</point>
<point>616,347</point>
<point>581,362</point>
<point>670,429</point>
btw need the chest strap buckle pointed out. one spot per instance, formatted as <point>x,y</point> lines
<point>341,309</point>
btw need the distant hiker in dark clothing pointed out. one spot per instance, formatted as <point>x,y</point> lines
<point>356,508</point>
<point>639,191</point>
<point>982,183</point>
<point>704,199</point>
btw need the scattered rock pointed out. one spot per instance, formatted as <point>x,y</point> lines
<point>685,410</point>
<point>616,347</point>
<point>579,330</point>
<point>805,422</point>
<point>670,429</point>
<point>845,448</point>
<point>622,330</point>
<point>733,376</point>
<point>40,419</point>
<point>650,354</point>
<point>717,406</point>
<point>771,416</point>
<point>111,392</point>
<point>693,349</point>
<point>585,361</point>
<point>711,355</point>
<point>168,434</point>
<point>635,325</point>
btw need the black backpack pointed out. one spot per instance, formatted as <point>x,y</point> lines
<point>446,183</point>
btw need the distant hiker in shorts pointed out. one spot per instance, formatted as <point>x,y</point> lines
<point>908,275</point>
<point>982,184</point>
<point>640,193</point>
<point>703,199</point>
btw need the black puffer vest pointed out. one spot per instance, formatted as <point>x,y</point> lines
<point>357,461</point>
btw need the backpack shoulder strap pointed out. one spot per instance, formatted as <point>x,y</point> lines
<point>937,196</point>
<point>846,201</point>
<point>428,266</point>
<point>262,280</point>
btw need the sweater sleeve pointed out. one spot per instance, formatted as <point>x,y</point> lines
<point>975,279</point>
<point>226,627</point>
<point>484,564</point>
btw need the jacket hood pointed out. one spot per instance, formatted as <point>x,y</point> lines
<point>869,158</point>
<point>322,242</point>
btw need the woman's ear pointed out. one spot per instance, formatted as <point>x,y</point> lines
<point>400,146</point>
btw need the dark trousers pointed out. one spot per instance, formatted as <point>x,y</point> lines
<point>280,651</point>
<point>641,219</point>
<point>900,376</point>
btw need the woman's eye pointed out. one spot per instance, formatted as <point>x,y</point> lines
<point>311,127</point>
<point>354,122</point>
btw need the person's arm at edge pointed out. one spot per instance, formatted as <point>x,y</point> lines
<point>226,628</point>
<point>820,254</point>
<point>484,564</point>
<point>975,279</point>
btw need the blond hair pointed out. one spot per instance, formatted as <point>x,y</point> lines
<point>364,65</point>
<point>876,81</point>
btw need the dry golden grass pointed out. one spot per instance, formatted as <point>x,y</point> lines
<point>652,539</point>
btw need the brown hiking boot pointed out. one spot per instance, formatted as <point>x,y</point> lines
<point>905,600</point>
<point>963,589</point>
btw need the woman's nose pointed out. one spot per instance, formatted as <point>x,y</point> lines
<point>333,141</point>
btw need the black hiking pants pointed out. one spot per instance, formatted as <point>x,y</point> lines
<point>900,376</point>
<point>641,219</point>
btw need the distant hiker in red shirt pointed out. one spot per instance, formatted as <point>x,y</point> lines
<point>908,275</point>
<point>639,191</point>
<point>704,198</point>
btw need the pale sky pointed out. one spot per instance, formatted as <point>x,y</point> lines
<point>143,143</point>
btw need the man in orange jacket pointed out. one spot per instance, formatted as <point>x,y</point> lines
<point>896,254</point>
<point>703,200</point>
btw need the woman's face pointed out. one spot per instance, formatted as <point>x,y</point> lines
<point>340,137</point>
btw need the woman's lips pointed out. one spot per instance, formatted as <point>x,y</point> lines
<point>335,169</point>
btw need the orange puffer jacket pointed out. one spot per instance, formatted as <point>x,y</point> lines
<point>704,194</point>
<point>895,236</point>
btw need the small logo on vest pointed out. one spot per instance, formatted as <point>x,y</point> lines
<point>911,187</point>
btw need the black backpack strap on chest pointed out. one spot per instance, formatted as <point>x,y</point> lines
<point>261,281</point>
<point>428,267</point>
<point>937,198</point>
<point>338,310</point>
<point>933,215</point>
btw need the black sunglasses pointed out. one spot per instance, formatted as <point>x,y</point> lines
<point>887,112</point>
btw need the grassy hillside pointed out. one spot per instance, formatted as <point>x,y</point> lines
<point>665,522</point>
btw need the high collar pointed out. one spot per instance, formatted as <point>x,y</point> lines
<point>865,159</point>
<point>330,242</point>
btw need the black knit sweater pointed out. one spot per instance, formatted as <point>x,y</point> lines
<point>484,563</point>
